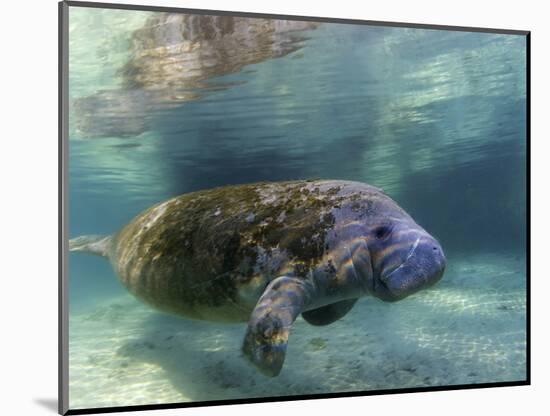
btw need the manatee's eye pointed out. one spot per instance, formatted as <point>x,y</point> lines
<point>382,232</point>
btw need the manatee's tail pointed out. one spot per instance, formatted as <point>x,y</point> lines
<point>93,244</point>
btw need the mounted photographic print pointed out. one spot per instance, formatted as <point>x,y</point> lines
<point>261,208</point>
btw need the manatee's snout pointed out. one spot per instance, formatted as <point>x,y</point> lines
<point>421,267</point>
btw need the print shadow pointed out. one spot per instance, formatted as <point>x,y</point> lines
<point>49,404</point>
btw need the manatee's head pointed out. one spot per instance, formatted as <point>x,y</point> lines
<point>404,258</point>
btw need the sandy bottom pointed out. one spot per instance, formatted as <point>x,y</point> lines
<point>470,328</point>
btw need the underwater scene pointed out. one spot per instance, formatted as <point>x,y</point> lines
<point>285,207</point>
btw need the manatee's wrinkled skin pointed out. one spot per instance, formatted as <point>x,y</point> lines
<point>266,252</point>
<point>172,57</point>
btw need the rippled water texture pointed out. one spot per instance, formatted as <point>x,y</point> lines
<point>162,104</point>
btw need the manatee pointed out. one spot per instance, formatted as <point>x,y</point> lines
<point>267,252</point>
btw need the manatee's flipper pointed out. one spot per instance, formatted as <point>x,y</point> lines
<point>93,244</point>
<point>269,325</point>
<point>329,313</point>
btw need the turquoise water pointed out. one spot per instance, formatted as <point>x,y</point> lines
<point>435,118</point>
